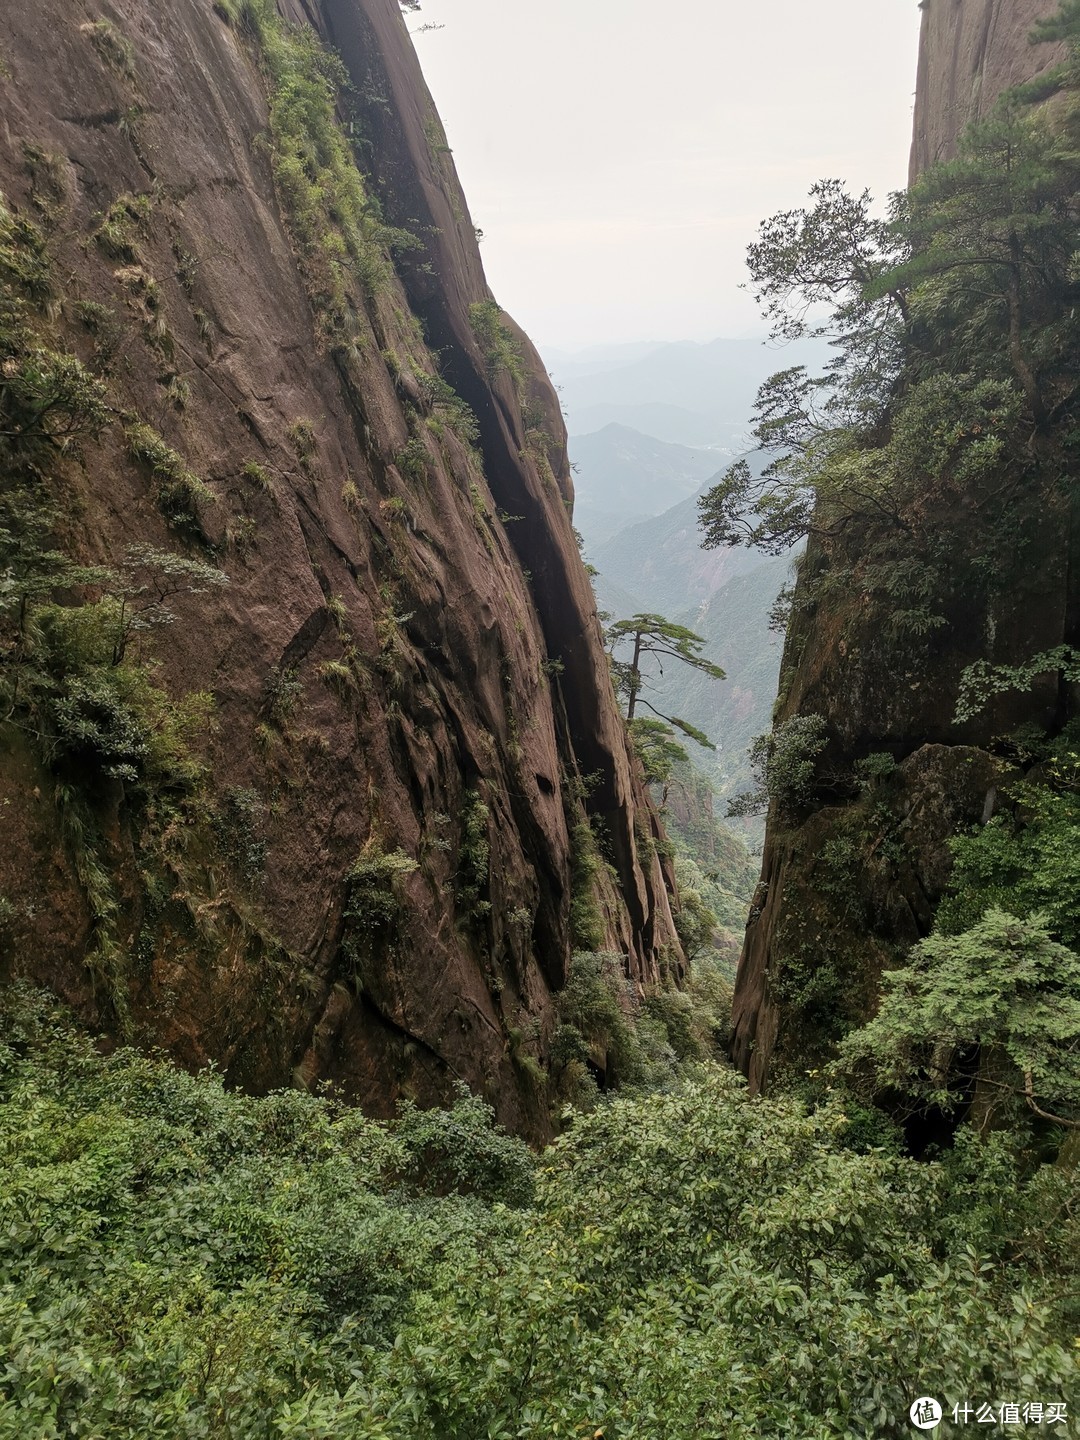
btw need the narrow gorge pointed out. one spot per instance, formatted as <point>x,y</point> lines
<point>391,1047</point>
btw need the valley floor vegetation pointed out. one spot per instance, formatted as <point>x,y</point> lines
<point>684,1261</point>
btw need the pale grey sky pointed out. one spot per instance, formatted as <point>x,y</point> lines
<point>619,154</point>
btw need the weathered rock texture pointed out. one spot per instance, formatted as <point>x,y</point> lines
<point>849,883</point>
<point>969,52</point>
<point>448,594</point>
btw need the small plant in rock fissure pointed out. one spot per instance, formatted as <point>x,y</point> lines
<point>375,905</point>
<point>497,342</point>
<point>474,856</point>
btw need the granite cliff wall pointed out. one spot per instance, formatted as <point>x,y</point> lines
<point>405,665</point>
<point>853,878</point>
<point>969,52</point>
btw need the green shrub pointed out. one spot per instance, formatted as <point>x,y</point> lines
<point>179,1260</point>
<point>335,225</point>
<point>474,856</point>
<point>179,490</point>
<point>497,342</point>
<point>785,766</point>
<point>374,905</point>
<point>587,927</point>
<point>461,1151</point>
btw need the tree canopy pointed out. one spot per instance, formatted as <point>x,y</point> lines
<point>1004,989</point>
<point>653,635</point>
<point>953,321</point>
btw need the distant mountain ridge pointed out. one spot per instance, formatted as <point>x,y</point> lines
<point>684,392</point>
<point>622,475</point>
<point>661,560</point>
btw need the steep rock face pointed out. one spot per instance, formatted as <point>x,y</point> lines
<point>406,665</point>
<point>850,881</point>
<point>969,52</point>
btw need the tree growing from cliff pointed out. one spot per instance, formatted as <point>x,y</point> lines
<point>658,751</point>
<point>652,635</point>
<point>954,323</point>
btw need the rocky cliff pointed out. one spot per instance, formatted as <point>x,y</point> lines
<point>969,52</point>
<point>395,789</point>
<point>852,873</point>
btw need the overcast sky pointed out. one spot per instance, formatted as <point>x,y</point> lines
<point>618,154</point>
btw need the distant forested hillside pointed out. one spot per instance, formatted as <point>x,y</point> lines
<point>621,476</point>
<point>685,393</point>
<point>661,562</point>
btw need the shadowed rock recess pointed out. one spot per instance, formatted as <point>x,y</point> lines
<point>853,878</point>
<point>413,779</point>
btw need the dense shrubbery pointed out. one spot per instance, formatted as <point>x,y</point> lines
<point>179,1261</point>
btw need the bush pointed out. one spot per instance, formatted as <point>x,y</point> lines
<point>785,766</point>
<point>179,1260</point>
<point>179,489</point>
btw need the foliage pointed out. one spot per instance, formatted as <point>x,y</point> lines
<point>474,856</point>
<point>123,224</point>
<point>238,824</point>
<point>461,1151</point>
<point>94,710</point>
<point>983,680</point>
<point>335,224</point>
<point>374,906</point>
<point>113,47</point>
<point>651,637</point>
<point>710,858</point>
<point>1003,988</point>
<point>599,1027</point>
<point>956,338</point>
<point>497,343</point>
<point>49,402</point>
<point>656,747</point>
<point>695,923</point>
<point>587,925</point>
<point>1026,858</point>
<point>76,678</point>
<point>785,766</point>
<point>178,1260</point>
<point>1027,862</point>
<point>696,1018</point>
<point>180,491</point>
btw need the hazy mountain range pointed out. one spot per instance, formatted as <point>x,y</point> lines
<point>638,486</point>
<point>622,475</point>
<point>683,393</point>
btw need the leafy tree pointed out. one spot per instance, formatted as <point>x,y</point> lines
<point>658,751</point>
<point>1004,989</point>
<point>147,580</point>
<point>955,327</point>
<point>652,635</point>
